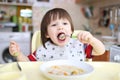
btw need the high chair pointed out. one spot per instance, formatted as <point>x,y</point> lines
<point>36,41</point>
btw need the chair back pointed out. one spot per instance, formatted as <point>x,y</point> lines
<point>36,41</point>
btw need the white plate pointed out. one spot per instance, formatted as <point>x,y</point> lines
<point>83,65</point>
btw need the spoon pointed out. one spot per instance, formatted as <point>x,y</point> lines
<point>19,67</point>
<point>62,36</point>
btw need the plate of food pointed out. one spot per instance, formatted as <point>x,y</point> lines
<point>66,70</point>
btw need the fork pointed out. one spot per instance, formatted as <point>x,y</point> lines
<point>19,67</point>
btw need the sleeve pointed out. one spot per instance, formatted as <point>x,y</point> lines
<point>88,51</point>
<point>32,57</point>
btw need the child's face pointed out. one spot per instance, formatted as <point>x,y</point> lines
<point>57,27</point>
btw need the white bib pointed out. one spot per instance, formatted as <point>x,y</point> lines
<point>74,50</point>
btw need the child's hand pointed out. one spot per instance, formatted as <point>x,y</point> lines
<point>85,36</point>
<point>14,48</point>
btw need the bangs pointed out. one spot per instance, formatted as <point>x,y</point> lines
<point>58,15</point>
<point>55,14</point>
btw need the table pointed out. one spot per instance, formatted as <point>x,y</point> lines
<point>103,70</point>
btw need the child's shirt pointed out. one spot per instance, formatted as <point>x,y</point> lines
<point>73,50</point>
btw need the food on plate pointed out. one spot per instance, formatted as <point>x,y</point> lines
<point>66,70</point>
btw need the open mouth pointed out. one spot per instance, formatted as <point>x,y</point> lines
<point>61,36</point>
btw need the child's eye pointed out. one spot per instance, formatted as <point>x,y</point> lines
<point>53,24</point>
<point>65,23</point>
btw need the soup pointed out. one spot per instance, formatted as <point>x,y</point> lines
<point>65,70</point>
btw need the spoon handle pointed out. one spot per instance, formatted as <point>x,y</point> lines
<point>19,67</point>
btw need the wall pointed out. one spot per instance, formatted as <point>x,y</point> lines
<point>40,8</point>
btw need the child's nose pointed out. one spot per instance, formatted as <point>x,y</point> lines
<point>60,28</point>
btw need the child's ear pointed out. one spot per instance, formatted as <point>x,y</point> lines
<point>47,36</point>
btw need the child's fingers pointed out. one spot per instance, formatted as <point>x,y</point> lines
<point>84,36</point>
<point>81,36</point>
<point>13,43</point>
<point>87,37</point>
<point>13,48</point>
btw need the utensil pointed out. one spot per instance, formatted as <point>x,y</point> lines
<point>19,67</point>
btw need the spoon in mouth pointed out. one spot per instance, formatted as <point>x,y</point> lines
<point>62,36</point>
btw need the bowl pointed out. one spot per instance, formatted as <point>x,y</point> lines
<point>12,75</point>
<point>66,70</point>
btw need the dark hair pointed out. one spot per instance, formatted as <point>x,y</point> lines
<point>52,15</point>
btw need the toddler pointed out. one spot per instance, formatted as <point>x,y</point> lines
<point>56,31</point>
